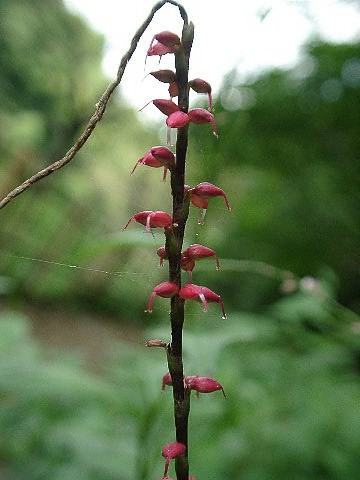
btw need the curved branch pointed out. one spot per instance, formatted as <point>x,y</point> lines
<point>99,111</point>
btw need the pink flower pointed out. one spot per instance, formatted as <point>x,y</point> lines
<point>197,252</point>
<point>207,190</point>
<point>177,119</point>
<point>203,384</point>
<point>166,381</point>
<point>161,252</point>
<point>167,42</point>
<point>151,219</point>
<point>149,160</point>
<point>170,451</point>
<point>201,294</point>
<point>163,155</point>
<point>201,86</point>
<point>166,106</point>
<point>189,256</point>
<point>158,219</point>
<point>200,194</point>
<point>159,50</point>
<point>165,290</point>
<point>187,265</point>
<point>166,38</point>
<point>157,157</point>
<point>200,115</point>
<point>139,217</point>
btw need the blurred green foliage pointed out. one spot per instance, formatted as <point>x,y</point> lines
<point>288,158</point>
<point>290,376</point>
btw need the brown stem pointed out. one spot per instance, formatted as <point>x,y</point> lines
<point>99,110</point>
<point>174,241</point>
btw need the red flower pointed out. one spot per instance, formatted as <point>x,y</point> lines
<point>166,106</point>
<point>201,86</point>
<point>167,42</point>
<point>203,384</point>
<point>177,119</point>
<point>161,252</point>
<point>187,265</point>
<point>163,155</point>
<point>201,294</point>
<point>158,219</point>
<point>151,219</point>
<point>139,217</point>
<point>157,157</point>
<point>200,115</point>
<point>166,38</point>
<point>166,381</point>
<point>170,451</point>
<point>200,194</point>
<point>197,252</point>
<point>189,256</point>
<point>165,290</point>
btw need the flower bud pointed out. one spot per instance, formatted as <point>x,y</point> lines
<point>188,265</point>
<point>166,38</point>
<point>177,119</point>
<point>158,219</point>
<point>201,294</point>
<point>197,252</point>
<point>164,76</point>
<point>201,86</point>
<point>166,381</point>
<point>161,252</point>
<point>165,105</point>
<point>173,89</point>
<point>170,451</point>
<point>203,384</point>
<point>165,290</point>
<point>200,115</point>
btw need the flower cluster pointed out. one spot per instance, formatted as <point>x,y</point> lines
<point>162,157</point>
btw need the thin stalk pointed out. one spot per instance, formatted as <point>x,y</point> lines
<point>174,242</point>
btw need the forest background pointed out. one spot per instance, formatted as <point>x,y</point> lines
<point>80,397</point>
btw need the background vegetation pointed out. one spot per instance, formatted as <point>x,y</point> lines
<point>289,354</point>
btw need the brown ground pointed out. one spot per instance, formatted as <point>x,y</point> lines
<point>89,335</point>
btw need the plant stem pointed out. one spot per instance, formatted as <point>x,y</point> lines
<point>174,242</point>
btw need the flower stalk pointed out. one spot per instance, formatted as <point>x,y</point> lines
<point>173,247</point>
